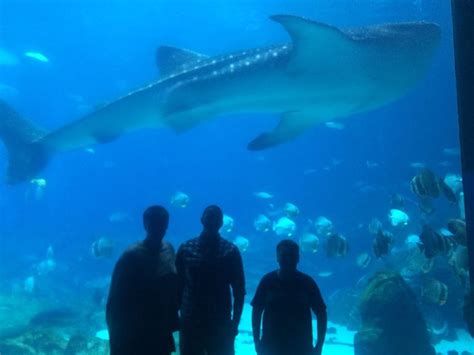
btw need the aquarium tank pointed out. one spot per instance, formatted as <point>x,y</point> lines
<point>330,123</point>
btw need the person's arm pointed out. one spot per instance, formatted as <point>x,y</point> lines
<point>258,307</point>
<point>238,290</point>
<point>180,271</point>
<point>120,301</point>
<point>322,319</point>
<point>319,308</point>
<point>257,312</point>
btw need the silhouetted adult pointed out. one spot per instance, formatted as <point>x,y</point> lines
<point>286,297</point>
<point>142,308</point>
<point>208,267</point>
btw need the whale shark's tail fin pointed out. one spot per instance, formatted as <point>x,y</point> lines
<point>26,156</point>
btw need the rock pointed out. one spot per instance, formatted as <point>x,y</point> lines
<point>331,330</point>
<point>392,324</point>
<point>13,348</point>
<point>77,345</point>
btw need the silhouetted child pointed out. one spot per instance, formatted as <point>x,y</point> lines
<point>286,298</point>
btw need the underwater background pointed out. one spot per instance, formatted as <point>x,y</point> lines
<point>95,51</point>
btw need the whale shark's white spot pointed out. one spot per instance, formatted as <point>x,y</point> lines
<point>37,56</point>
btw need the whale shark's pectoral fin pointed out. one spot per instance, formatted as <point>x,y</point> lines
<point>315,42</point>
<point>291,125</point>
<point>170,60</point>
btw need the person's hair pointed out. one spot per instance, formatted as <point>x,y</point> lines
<point>288,244</point>
<point>156,214</point>
<point>213,209</point>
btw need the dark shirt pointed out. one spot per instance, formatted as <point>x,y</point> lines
<point>287,308</point>
<point>207,270</point>
<point>142,308</point>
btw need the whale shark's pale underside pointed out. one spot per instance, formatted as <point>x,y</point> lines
<point>324,73</point>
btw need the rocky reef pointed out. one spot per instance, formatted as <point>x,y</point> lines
<point>392,324</point>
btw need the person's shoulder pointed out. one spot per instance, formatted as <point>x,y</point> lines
<point>132,254</point>
<point>306,278</point>
<point>133,250</point>
<point>167,246</point>
<point>228,246</point>
<point>191,243</point>
<point>270,276</point>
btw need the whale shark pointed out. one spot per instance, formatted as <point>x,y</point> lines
<point>324,73</point>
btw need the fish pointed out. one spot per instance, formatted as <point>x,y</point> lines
<point>426,184</point>
<point>323,74</point>
<point>374,226</point>
<point>397,201</point>
<point>242,243</point>
<point>47,265</point>
<point>417,165</point>
<point>382,243</point>
<point>291,210</point>
<point>284,227</point>
<point>454,182</point>
<point>37,56</point>
<point>434,292</point>
<point>325,273</point>
<point>323,226</point>
<point>263,195</point>
<point>458,228</point>
<point>37,189</point>
<point>412,261</point>
<point>412,240</point>
<point>452,151</point>
<point>227,224</point>
<point>336,246</point>
<point>334,125</point>
<point>29,285</point>
<point>262,223</point>
<point>459,260</point>
<point>363,260</point>
<point>433,243</point>
<point>180,199</point>
<point>371,164</point>
<point>398,217</point>
<point>103,248</point>
<point>426,206</point>
<point>119,217</point>
<point>309,242</point>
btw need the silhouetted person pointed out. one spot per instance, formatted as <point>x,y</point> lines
<point>142,308</point>
<point>208,267</point>
<point>286,297</point>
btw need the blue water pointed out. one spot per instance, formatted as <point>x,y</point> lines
<point>98,51</point>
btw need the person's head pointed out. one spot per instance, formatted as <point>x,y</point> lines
<point>212,219</point>
<point>155,221</point>
<point>288,254</point>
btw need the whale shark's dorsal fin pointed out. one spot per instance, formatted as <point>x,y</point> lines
<point>315,41</point>
<point>170,60</point>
